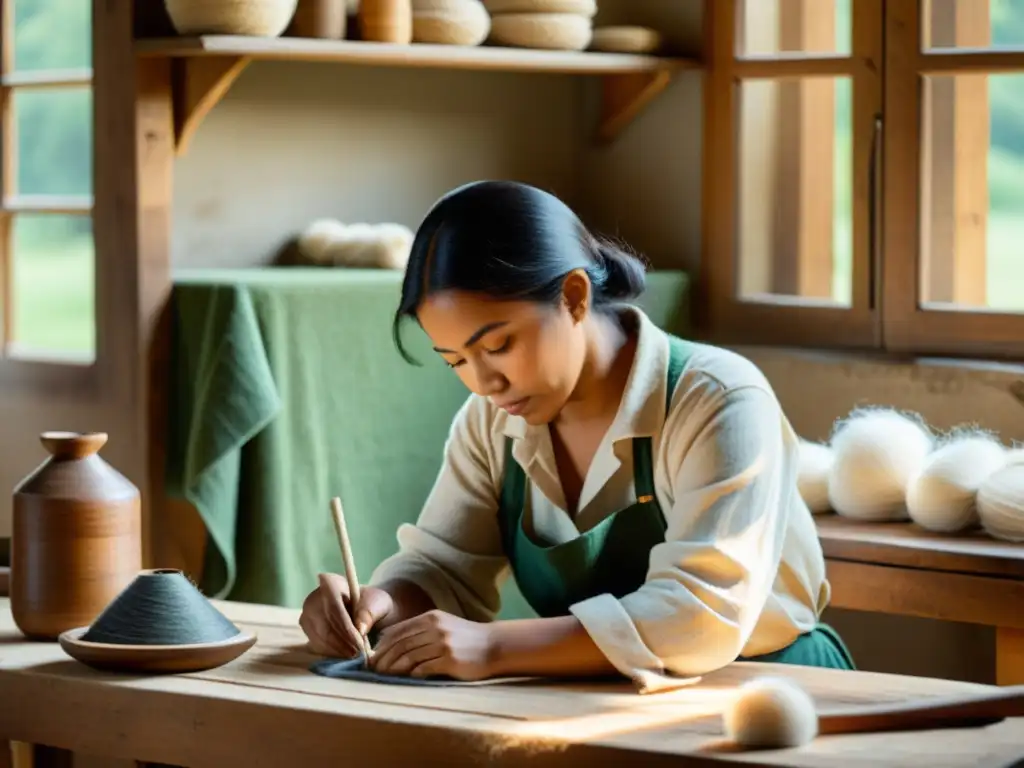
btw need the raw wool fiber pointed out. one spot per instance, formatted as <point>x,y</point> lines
<point>815,465</point>
<point>1000,500</point>
<point>941,497</point>
<point>877,451</point>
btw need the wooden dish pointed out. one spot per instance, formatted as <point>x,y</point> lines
<point>163,659</point>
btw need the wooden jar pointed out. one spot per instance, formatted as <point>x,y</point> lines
<point>323,19</point>
<point>386,21</point>
<point>77,537</point>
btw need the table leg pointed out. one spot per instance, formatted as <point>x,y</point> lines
<point>48,757</point>
<point>1009,656</point>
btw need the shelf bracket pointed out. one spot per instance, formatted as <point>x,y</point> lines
<point>625,96</point>
<point>199,83</point>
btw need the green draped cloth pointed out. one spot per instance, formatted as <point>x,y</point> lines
<point>286,390</point>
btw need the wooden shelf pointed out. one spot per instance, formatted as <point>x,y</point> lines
<point>209,65</point>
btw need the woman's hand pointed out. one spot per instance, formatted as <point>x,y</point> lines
<point>330,624</point>
<point>435,643</point>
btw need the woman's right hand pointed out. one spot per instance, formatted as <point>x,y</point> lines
<point>329,621</point>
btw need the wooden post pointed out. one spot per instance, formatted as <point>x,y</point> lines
<point>134,162</point>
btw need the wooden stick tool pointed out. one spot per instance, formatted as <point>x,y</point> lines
<point>350,566</point>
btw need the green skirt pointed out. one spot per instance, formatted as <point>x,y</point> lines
<point>821,647</point>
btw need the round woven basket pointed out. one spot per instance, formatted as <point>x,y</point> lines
<point>256,18</point>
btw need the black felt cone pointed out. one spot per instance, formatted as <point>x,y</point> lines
<point>160,607</point>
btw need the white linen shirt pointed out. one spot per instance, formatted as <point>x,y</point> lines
<point>741,571</point>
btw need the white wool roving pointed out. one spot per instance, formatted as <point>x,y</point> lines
<point>332,243</point>
<point>876,453</point>
<point>1001,502</point>
<point>812,475</point>
<point>316,240</point>
<point>941,497</point>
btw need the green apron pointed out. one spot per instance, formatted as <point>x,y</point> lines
<point>612,557</point>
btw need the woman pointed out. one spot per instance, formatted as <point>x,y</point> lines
<point>640,488</point>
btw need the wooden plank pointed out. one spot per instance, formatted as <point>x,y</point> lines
<point>938,595</point>
<point>418,55</point>
<point>132,230</point>
<point>906,545</point>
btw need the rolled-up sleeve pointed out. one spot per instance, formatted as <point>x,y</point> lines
<point>707,584</point>
<point>454,550</point>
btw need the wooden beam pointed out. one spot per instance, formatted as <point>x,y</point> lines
<point>133,169</point>
<point>954,178</point>
<point>199,84</point>
<point>624,97</point>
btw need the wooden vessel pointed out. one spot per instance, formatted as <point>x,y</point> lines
<point>321,19</point>
<point>76,541</point>
<point>386,21</point>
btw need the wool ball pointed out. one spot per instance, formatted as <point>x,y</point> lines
<point>770,713</point>
<point>877,452</point>
<point>1000,502</point>
<point>941,497</point>
<point>815,463</point>
<point>317,240</point>
<point>394,245</point>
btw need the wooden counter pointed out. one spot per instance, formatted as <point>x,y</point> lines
<point>902,569</point>
<point>266,709</point>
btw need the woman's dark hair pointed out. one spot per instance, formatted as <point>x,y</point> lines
<point>513,242</point>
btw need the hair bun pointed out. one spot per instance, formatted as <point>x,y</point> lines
<point>625,274</point>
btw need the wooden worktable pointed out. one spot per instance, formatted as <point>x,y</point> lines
<point>899,568</point>
<point>265,709</point>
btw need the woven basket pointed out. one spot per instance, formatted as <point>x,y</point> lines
<point>256,18</point>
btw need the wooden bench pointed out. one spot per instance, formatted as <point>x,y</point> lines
<point>899,568</point>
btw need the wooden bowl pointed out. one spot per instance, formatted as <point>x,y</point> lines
<point>257,18</point>
<point>149,659</point>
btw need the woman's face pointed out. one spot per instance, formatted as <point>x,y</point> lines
<point>526,357</point>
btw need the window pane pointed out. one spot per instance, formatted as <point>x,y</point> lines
<point>53,285</point>
<point>771,27</point>
<point>950,24</point>
<point>54,127</point>
<point>52,34</point>
<point>795,189</point>
<point>972,206</point>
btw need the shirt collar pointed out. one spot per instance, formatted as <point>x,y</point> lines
<point>641,411</point>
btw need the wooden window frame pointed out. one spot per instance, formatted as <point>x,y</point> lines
<point>888,133</point>
<point>26,368</point>
<point>910,327</point>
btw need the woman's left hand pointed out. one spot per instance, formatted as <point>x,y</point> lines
<point>435,643</point>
